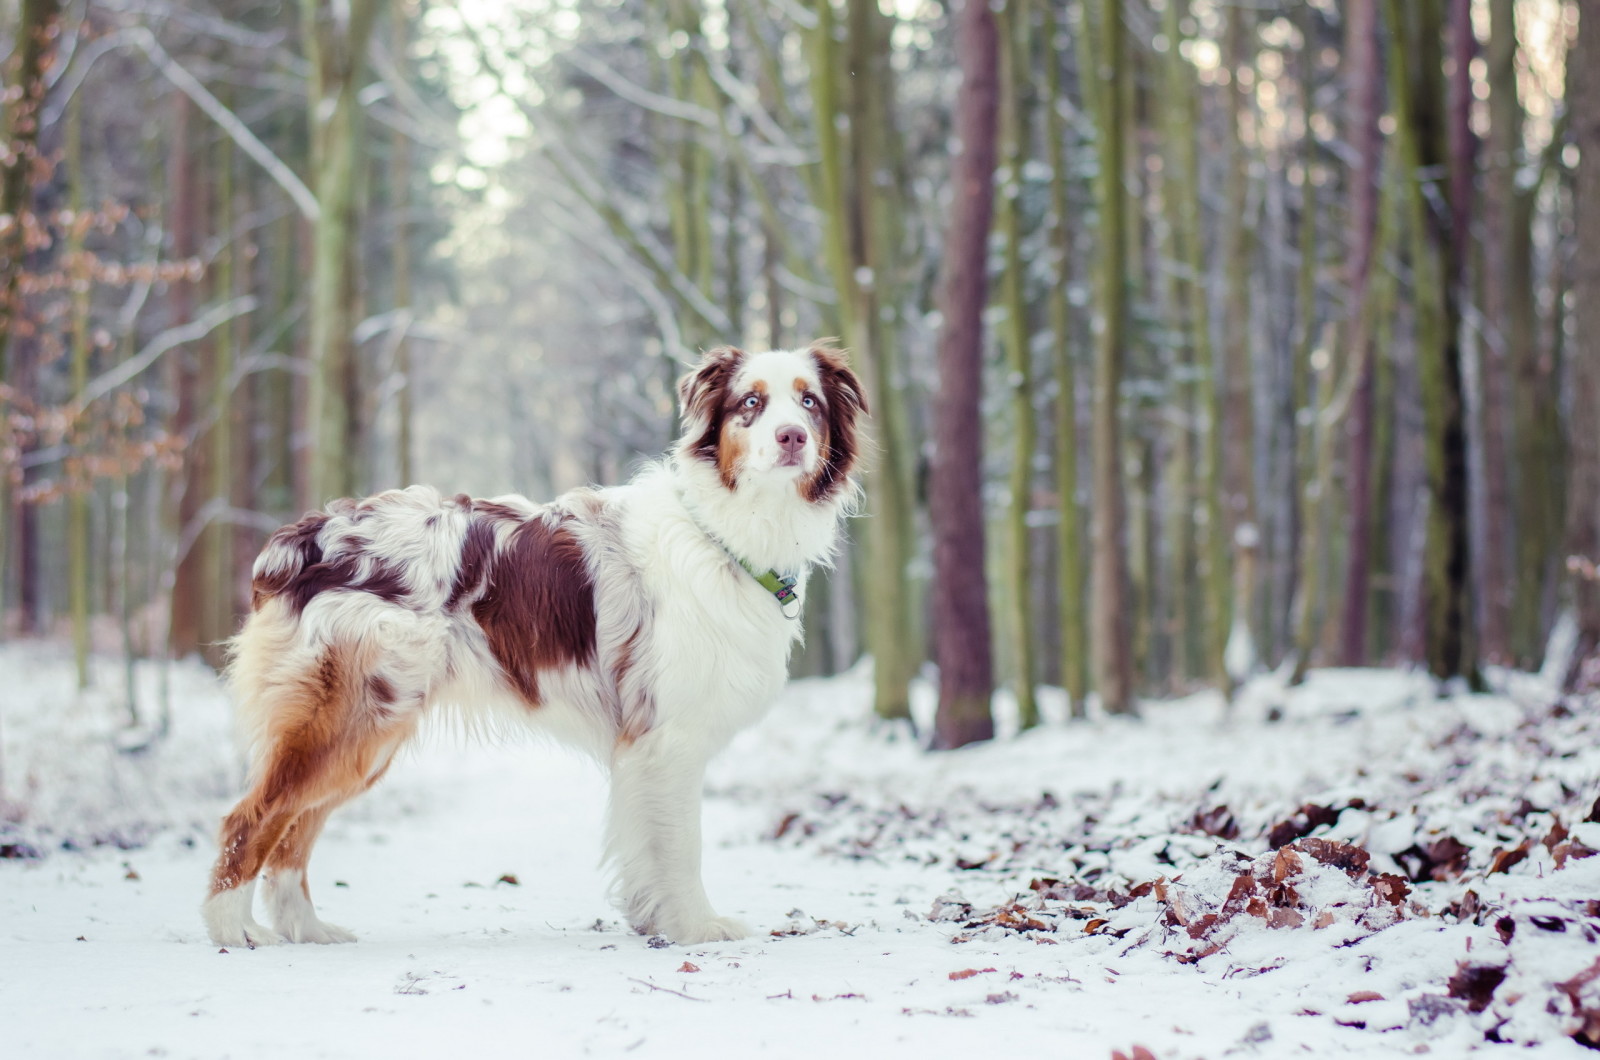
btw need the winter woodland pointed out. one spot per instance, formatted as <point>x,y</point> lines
<point>1213,665</point>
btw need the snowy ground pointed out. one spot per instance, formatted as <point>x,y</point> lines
<point>1351,869</point>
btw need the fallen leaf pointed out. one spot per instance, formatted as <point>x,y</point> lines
<point>968,973</point>
<point>687,967</point>
<point>1476,984</point>
<point>1361,996</point>
<point>508,878</point>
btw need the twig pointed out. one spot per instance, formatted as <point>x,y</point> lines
<point>666,989</point>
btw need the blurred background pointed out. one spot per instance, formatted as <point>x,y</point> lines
<point>1278,318</point>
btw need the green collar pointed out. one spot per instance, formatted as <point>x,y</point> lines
<point>779,585</point>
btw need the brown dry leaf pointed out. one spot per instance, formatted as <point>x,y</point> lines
<point>1347,856</point>
<point>968,973</point>
<point>1286,864</point>
<point>1557,835</point>
<point>1282,918</point>
<point>1094,925</point>
<point>508,878</point>
<point>1391,888</point>
<point>1503,860</point>
<point>1361,996</point>
<point>1324,919</point>
<point>687,967</point>
<point>1476,983</point>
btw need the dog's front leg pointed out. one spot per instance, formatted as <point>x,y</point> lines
<point>653,841</point>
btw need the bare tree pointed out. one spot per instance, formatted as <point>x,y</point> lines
<point>1111,643</point>
<point>960,602</point>
<point>1583,511</point>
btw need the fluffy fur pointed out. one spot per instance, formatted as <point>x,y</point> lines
<point>615,619</point>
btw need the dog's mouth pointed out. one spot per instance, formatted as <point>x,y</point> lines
<point>795,459</point>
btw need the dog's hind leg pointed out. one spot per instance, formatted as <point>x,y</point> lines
<point>318,743</point>
<point>285,891</point>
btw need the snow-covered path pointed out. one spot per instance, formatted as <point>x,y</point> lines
<point>102,951</point>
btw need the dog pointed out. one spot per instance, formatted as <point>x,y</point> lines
<point>646,624</point>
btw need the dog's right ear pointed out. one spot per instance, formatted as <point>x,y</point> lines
<point>701,396</point>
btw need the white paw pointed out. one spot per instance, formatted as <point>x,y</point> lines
<point>228,920</point>
<point>319,931</point>
<point>715,929</point>
<point>248,934</point>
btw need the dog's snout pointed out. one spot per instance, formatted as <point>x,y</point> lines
<point>791,439</point>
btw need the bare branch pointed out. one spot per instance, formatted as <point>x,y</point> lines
<point>191,332</point>
<point>146,42</point>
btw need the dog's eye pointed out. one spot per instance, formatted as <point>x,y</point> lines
<point>751,402</point>
<point>809,402</point>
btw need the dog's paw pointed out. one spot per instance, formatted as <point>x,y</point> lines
<point>248,935</point>
<point>318,931</point>
<point>715,929</point>
<point>229,923</point>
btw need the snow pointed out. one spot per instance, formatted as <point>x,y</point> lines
<point>1049,890</point>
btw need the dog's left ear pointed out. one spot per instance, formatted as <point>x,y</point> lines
<point>701,395</point>
<point>846,404</point>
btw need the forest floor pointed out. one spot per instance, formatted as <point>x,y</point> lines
<point>1348,868</point>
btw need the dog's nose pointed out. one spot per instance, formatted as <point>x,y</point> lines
<point>791,439</point>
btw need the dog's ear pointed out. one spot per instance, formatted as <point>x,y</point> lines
<point>845,405</point>
<point>702,394</point>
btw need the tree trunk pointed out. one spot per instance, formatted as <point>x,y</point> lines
<point>23,86</point>
<point>336,38</point>
<point>1237,412</point>
<point>188,483</point>
<point>860,252</point>
<point>960,605</point>
<point>1069,540</point>
<point>1363,89</point>
<point>79,483</point>
<point>1017,78</point>
<point>1111,644</point>
<point>1583,506</point>
<point>1416,29</point>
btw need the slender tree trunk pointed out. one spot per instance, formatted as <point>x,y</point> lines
<point>23,86</point>
<point>1111,644</point>
<point>1017,74</point>
<point>1237,411</point>
<point>188,483</point>
<point>1502,246</point>
<point>860,251</point>
<point>400,196</point>
<point>336,38</point>
<point>960,604</point>
<point>1583,507</point>
<point>1364,90</point>
<point>79,483</point>
<point>1069,541</point>
<point>1416,29</point>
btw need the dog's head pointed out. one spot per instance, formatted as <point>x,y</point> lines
<point>790,414</point>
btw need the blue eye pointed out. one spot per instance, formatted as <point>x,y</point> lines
<point>751,402</point>
<point>809,402</point>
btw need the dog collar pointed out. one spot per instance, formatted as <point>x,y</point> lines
<point>781,586</point>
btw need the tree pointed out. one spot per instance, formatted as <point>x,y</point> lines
<point>1416,29</point>
<point>1015,53</point>
<point>336,36</point>
<point>1583,511</point>
<point>960,603</point>
<point>1364,89</point>
<point>1111,646</point>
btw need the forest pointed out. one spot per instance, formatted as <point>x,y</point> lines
<point>1201,338</point>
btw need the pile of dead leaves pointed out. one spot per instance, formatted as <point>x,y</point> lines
<point>1282,889</point>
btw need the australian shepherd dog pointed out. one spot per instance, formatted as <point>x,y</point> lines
<point>645,624</point>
